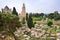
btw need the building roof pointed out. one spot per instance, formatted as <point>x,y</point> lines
<point>6,7</point>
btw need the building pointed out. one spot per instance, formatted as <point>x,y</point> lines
<point>6,10</point>
<point>23,12</point>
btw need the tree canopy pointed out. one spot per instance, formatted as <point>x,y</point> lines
<point>9,23</point>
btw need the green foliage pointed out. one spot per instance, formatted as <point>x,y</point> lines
<point>47,38</point>
<point>51,15</point>
<point>14,11</point>
<point>30,21</point>
<point>37,18</point>
<point>9,22</point>
<point>37,14</point>
<point>41,14</point>
<point>0,11</point>
<point>53,31</point>
<point>26,16</point>
<point>49,23</point>
<point>54,15</point>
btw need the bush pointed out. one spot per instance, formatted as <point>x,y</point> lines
<point>49,23</point>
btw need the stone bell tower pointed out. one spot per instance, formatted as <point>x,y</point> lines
<point>23,13</point>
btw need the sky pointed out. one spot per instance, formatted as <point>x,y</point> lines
<point>34,6</point>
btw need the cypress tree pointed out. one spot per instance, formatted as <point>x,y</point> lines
<point>30,22</point>
<point>26,16</point>
<point>14,11</point>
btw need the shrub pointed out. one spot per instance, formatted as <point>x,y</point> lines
<point>49,23</point>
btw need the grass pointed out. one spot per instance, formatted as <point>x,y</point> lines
<point>37,18</point>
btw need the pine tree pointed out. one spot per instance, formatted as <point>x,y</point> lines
<point>14,11</point>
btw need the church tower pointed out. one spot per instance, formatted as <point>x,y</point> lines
<point>22,15</point>
<point>23,12</point>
